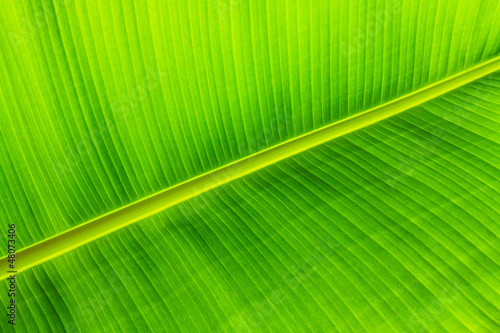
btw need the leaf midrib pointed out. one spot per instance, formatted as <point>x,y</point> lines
<point>124,216</point>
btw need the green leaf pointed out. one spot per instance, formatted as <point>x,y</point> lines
<point>224,113</point>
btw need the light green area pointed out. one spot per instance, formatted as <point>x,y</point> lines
<point>394,227</point>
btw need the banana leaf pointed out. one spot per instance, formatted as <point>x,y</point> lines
<point>248,166</point>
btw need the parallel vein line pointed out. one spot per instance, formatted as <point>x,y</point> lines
<point>117,219</point>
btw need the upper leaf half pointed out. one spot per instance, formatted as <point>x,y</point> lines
<point>106,102</point>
